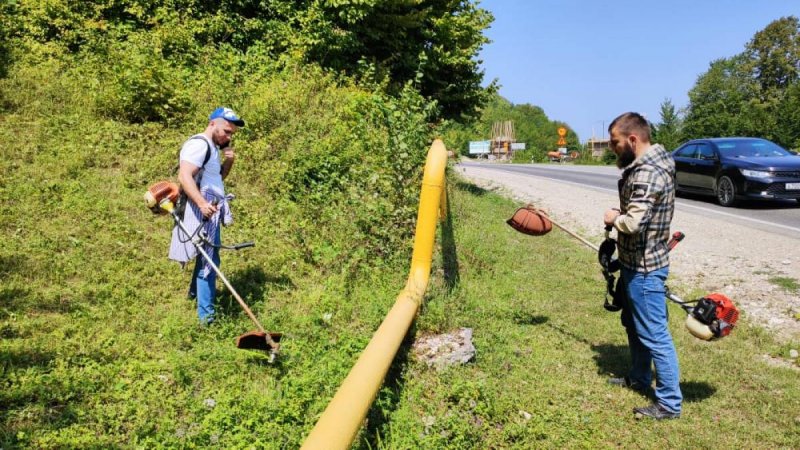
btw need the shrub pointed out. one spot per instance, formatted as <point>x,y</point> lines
<point>40,82</point>
<point>348,157</point>
<point>609,157</point>
<point>137,83</point>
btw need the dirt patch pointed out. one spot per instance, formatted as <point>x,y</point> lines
<point>716,256</point>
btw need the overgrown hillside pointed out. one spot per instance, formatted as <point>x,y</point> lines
<point>100,348</point>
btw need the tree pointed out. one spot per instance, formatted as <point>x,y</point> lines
<point>668,132</point>
<point>753,93</point>
<point>431,44</point>
<point>718,101</point>
<point>788,118</point>
<point>774,55</point>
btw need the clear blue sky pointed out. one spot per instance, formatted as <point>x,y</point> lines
<point>586,61</point>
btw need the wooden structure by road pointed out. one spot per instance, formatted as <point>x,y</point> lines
<point>502,138</point>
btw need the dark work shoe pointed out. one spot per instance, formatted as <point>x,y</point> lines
<point>654,411</point>
<point>627,383</point>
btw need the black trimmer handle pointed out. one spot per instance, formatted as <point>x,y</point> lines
<point>214,202</point>
<point>243,245</point>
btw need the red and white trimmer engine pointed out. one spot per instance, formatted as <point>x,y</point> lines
<point>712,317</point>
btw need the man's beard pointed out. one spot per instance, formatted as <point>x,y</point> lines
<point>625,158</point>
<point>222,142</point>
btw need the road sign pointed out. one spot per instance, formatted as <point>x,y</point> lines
<point>478,147</point>
<point>562,141</point>
<point>562,131</point>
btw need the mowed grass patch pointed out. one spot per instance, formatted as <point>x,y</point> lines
<point>545,348</point>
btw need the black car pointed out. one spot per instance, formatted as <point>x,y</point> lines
<point>736,168</point>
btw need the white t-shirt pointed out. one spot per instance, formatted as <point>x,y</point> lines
<point>194,152</point>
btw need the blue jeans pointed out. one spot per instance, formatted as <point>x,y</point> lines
<point>645,320</point>
<point>205,287</point>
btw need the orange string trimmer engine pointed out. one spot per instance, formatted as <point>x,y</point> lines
<point>161,197</point>
<point>718,312</point>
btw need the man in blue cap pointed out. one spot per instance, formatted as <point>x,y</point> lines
<point>201,174</point>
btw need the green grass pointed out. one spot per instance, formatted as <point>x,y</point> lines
<point>787,283</point>
<point>100,349</point>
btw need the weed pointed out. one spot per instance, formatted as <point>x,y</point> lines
<point>789,284</point>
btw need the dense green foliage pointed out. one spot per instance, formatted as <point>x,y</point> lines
<point>151,44</point>
<point>755,93</point>
<point>531,126</point>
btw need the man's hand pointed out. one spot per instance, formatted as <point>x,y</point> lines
<point>208,210</point>
<point>611,215</point>
<point>227,163</point>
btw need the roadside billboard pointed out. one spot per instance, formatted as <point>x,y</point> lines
<point>478,147</point>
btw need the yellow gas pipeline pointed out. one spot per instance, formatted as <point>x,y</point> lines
<point>341,420</point>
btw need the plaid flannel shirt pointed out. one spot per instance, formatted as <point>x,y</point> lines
<point>647,202</point>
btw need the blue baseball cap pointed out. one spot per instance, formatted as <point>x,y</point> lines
<point>227,114</point>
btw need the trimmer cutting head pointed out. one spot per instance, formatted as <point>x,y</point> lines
<point>256,340</point>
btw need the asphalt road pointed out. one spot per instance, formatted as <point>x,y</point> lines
<point>780,217</point>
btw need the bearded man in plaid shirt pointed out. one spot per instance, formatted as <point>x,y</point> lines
<point>647,201</point>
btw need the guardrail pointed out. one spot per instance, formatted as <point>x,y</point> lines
<point>341,420</point>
